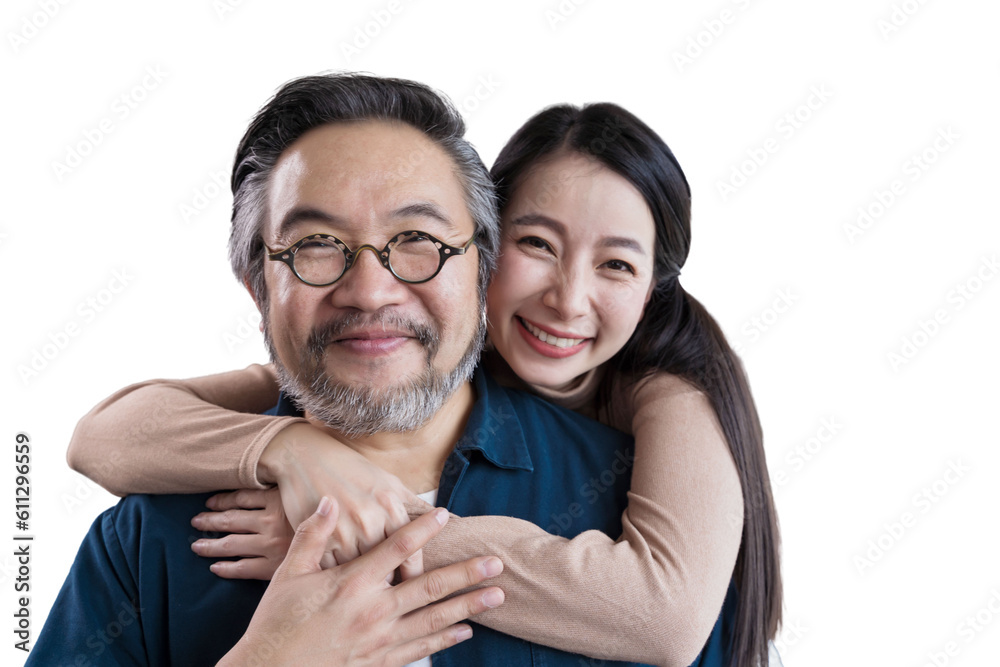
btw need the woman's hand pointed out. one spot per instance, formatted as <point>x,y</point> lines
<point>307,464</point>
<point>349,615</point>
<point>260,533</point>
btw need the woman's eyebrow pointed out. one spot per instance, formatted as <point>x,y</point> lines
<point>541,221</point>
<point>624,242</point>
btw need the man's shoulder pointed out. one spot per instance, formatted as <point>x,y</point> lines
<point>152,534</point>
<point>136,563</point>
<point>143,517</point>
<point>142,504</point>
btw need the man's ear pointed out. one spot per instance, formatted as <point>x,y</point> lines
<point>246,284</point>
<point>249,288</point>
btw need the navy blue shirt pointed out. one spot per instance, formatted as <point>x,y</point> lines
<point>137,594</point>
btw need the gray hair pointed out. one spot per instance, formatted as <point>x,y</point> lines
<point>311,101</point>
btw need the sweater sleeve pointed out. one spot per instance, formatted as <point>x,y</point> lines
<point>180,436</point>
<point>655,593</point>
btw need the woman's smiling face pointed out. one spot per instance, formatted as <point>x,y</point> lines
<point>575,270</point>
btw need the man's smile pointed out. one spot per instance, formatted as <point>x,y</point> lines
<point>373,342</point>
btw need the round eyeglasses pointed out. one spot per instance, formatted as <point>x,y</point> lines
<point>411,256</point>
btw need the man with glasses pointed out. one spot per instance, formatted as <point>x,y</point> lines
<point>380,348</point>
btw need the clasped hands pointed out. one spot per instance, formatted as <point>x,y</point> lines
<point>347,586</point>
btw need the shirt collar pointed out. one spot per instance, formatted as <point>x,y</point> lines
<point>285,408</point>
<point>493,428</point>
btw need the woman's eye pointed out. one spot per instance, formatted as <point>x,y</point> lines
<point>618,265</point>
<point>534,242</point>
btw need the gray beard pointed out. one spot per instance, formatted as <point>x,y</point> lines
<point>363,410</point>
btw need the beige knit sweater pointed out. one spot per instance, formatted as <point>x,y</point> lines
<point>651,596</point>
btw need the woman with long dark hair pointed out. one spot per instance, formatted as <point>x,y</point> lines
<point>676,335</point>
<point>587,310</point>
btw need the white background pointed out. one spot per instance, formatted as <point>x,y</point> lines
<point>781,237</point>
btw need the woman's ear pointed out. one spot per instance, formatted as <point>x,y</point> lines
<point>649,294</point>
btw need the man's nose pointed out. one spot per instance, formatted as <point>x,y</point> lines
<point>367,285</point>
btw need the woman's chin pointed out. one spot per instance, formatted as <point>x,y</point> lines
<point>543,376</point>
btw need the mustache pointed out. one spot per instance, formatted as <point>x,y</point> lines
<point>334,329</point>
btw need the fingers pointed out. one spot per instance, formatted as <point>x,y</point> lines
<point>327,561</point>
<point>357,532</point>
<point>425,646</point>
<point>345,552</point>
<point>436,620</point>
<point>246,568</point>
<point>362,527</point>
<point>383,560</point>
<point>369,528</point>
<point>247,499</point>
<point>432,625</point>
<point>310,539</point>
<point>396,518</point>
<point>432,586</point>
<point>412,567</point>
<point>233,546</point>
<point>229,521</point>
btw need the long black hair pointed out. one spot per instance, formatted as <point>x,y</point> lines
<point>676,334</point>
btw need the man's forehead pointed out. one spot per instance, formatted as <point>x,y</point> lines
<point>359,172</point>
<point>393,152</point>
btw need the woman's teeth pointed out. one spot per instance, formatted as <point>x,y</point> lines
<point>549,338</point>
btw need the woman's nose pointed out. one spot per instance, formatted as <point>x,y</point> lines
<point>569,295</point>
